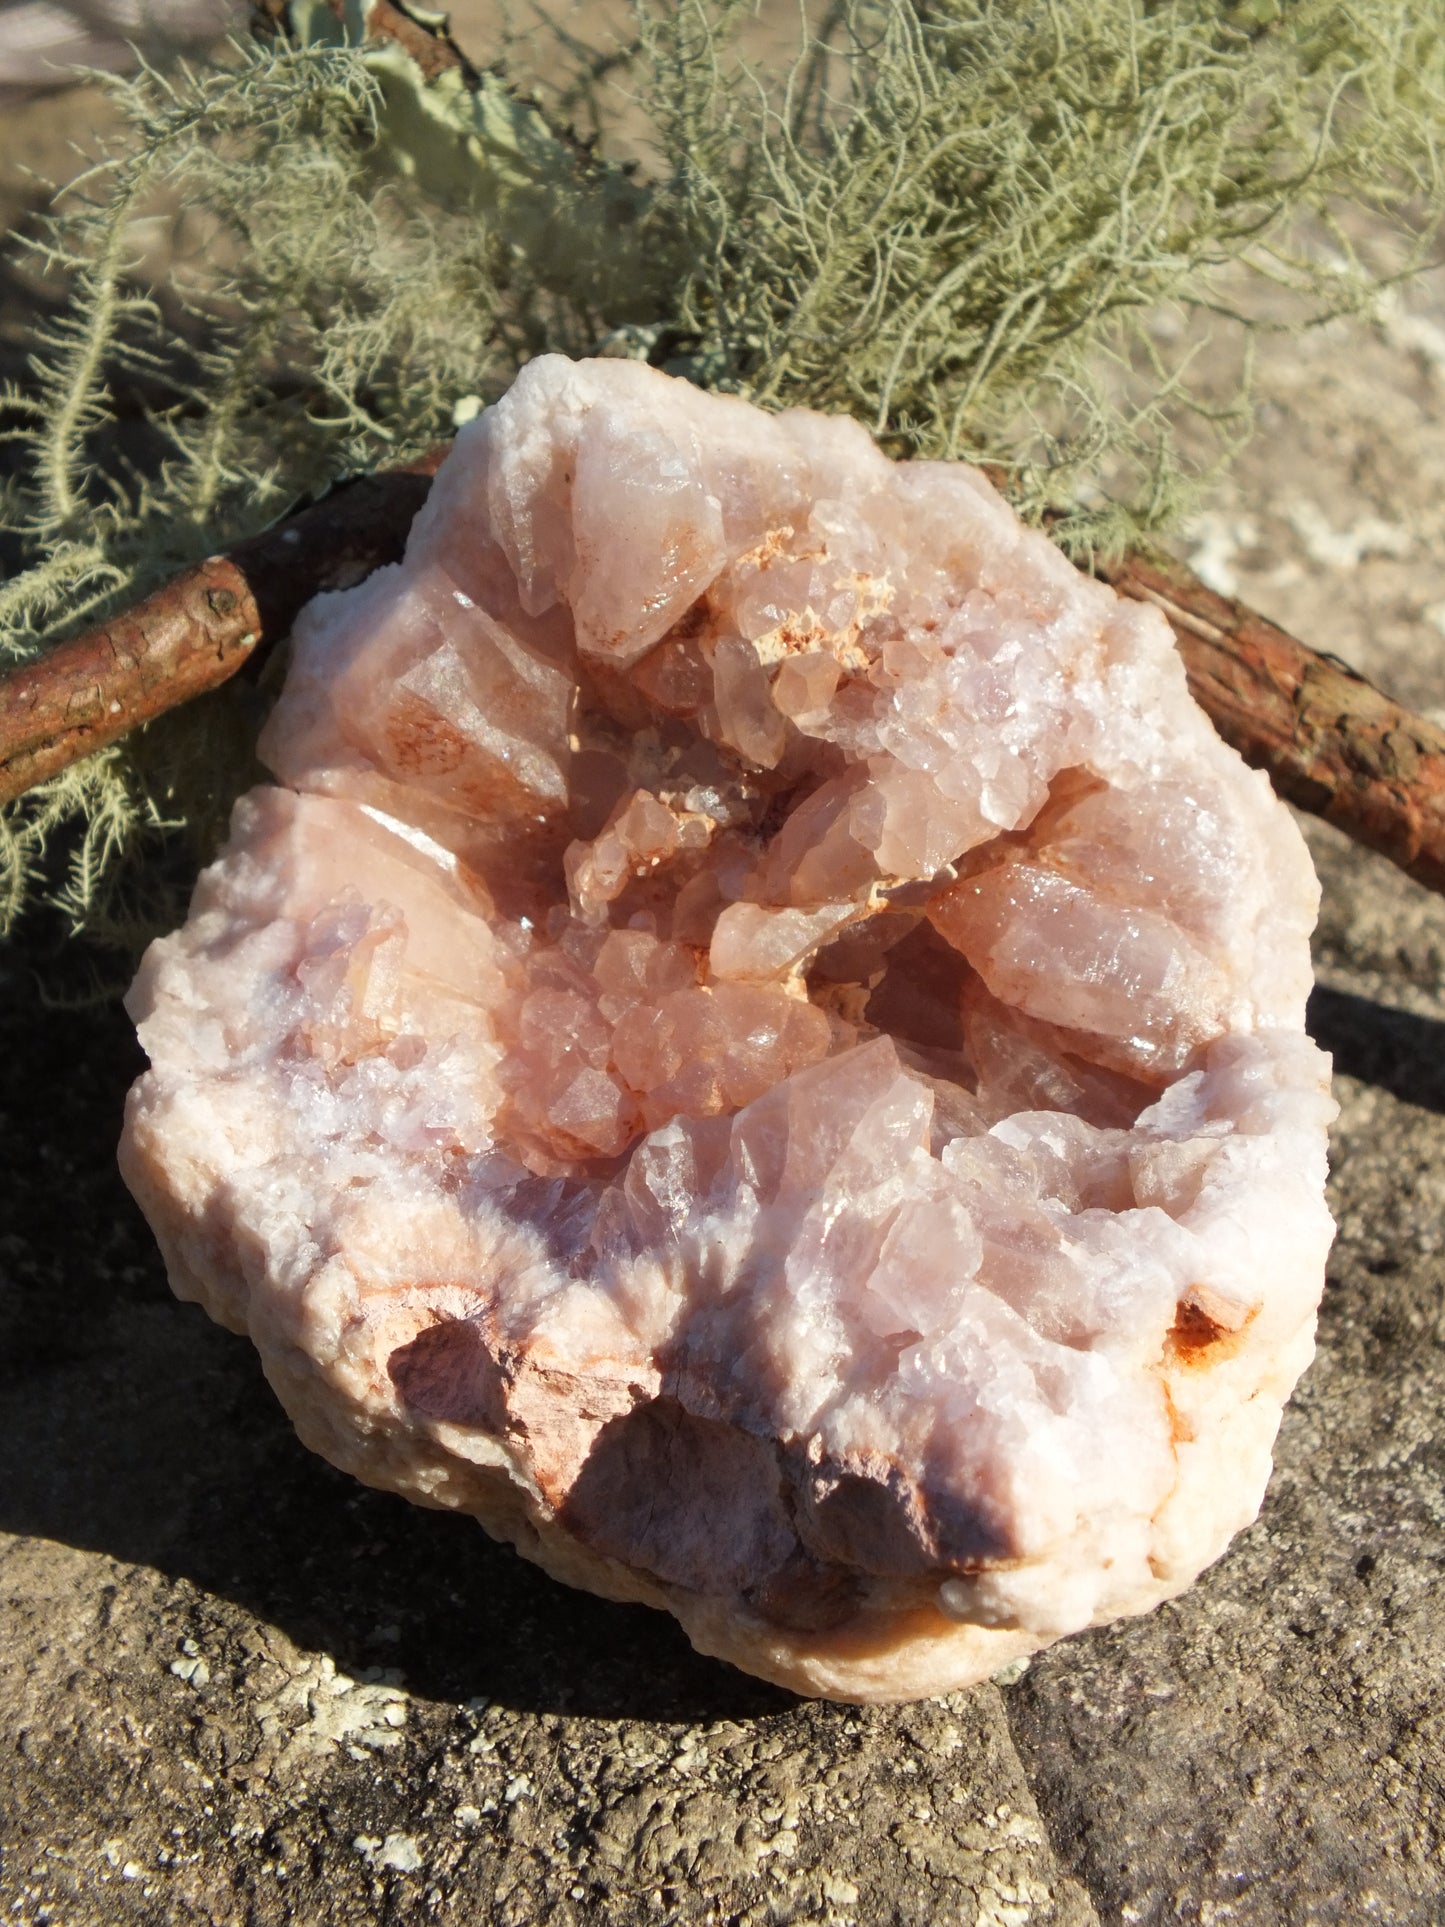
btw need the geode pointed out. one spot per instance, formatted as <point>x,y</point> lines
<point>756,1047</point>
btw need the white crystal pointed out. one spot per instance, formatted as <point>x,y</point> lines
<point>758,1049</point>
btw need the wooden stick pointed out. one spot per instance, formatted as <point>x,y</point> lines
<point>196,631</point>
<point>1328,739</point>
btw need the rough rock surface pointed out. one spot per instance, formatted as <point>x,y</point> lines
<point>759,1051</point>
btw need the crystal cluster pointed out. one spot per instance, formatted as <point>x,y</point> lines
<point>756,1046</point>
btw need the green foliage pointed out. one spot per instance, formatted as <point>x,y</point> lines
<point>957,219</point>
<point>468,139</point>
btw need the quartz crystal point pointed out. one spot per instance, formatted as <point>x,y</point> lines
<point>756,1046</point>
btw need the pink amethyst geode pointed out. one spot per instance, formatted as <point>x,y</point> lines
<point>757,1047</point>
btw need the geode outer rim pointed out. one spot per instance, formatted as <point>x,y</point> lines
<point>1222,1385</point>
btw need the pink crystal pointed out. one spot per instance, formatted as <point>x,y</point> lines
<point>757,1048</point>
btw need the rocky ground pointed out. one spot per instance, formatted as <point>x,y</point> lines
<point>236,1688</point>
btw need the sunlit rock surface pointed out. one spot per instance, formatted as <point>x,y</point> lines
<point>758,1048</point>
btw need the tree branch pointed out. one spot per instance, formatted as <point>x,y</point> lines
<point>1328,739</point>
<point>196,631</point>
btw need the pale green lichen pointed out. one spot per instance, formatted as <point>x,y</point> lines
<point>967,249</point>
<point>957,220</point>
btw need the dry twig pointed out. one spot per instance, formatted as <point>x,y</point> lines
<point>1328,740</point>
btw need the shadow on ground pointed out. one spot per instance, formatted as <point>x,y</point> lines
<point>1398,1050</point>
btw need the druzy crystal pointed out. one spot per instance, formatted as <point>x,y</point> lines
<point>756,1045</point>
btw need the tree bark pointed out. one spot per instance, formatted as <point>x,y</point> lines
<point>1328,739</point>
